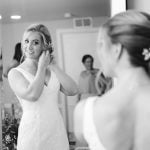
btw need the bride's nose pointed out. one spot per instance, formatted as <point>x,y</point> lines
<point>30,46</point>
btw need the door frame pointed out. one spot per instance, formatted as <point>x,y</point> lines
<point>60,53</point>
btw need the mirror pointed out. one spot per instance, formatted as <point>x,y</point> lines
<point>55,18</point>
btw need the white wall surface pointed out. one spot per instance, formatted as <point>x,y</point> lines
<point>0,33</point>
<point>142,5</point>
<point>0,95</point>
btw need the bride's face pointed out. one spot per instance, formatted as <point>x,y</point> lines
<point>32,45</point>
<point>104,51</point>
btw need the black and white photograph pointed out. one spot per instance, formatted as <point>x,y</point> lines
<point>74,75</point>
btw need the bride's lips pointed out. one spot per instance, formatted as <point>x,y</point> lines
<point>30,52</point>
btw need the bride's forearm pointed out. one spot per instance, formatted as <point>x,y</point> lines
<point>36,87</point>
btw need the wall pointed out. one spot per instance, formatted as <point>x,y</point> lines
<point>0,33</point>
<point>142,5</point>
<point>0,94</point>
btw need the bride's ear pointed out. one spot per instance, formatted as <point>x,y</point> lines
<point>43,48</point>
<point>118,50</point>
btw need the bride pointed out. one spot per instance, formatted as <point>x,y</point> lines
<point>37,82</point>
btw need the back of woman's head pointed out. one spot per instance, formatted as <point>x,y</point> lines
<point>45,35</point>
<point>132,30</point>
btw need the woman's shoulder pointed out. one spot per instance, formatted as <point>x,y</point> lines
<point>79,109</point>
<point>142,106</point>
<point>83,102</point>
<point>111,120</point>
<point>96,70</point>
<point>13,71</point>
<point>109,107</point>
<point>105,106</point>
<point>84,74</point>
<point>15,74</point>
<point>143,96</point>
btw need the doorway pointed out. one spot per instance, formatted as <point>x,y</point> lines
<point>72,45</point>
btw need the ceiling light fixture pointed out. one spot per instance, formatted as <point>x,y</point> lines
<point>0,17</point>
<point>16,17</point>
<point>67,15</point>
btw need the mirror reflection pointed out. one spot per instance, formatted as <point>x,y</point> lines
<point>74,34</point>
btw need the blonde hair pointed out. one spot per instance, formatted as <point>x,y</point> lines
<point>44,33</point>
<point>132,30</point>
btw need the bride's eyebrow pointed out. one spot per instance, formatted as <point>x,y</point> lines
<point>37,40</point>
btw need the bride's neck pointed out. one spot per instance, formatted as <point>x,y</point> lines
<point>132,74</point>
<point>31,63</point>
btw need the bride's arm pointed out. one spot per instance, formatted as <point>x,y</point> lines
<point>67,84</point>
<point>22,87</point>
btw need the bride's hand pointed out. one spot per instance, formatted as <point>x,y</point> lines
<point>52,60</point>
<point>44,59</point>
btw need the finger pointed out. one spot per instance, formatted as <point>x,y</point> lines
<point>48,56</point>
<point>42,53</point>
<point>52,57</point>
<point>47,53</point>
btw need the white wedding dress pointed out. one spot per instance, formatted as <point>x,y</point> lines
<point>89,129</point>
<point>42,126</point>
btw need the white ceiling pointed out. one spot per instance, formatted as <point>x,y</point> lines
<point>37,10</point>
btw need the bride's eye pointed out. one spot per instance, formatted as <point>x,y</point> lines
<point>26,41</point>
<point>36,42</point>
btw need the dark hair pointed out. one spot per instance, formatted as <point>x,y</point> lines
<point>87,56</point>
<point>18,52</point>
<point>18,46</point>
<point>132,30</point>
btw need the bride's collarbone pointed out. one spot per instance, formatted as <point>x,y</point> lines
<point>33,72</point>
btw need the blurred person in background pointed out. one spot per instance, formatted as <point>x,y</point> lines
<point>120,118</point>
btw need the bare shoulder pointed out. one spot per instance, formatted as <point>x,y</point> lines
<point>105,112</point>
<point>142,101</point>
<point>13,74</point>
<point>144,92</point>
<point>83,73</point>
<point>113,122</point>
<point>142,127</point>
<point>96,70</point>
